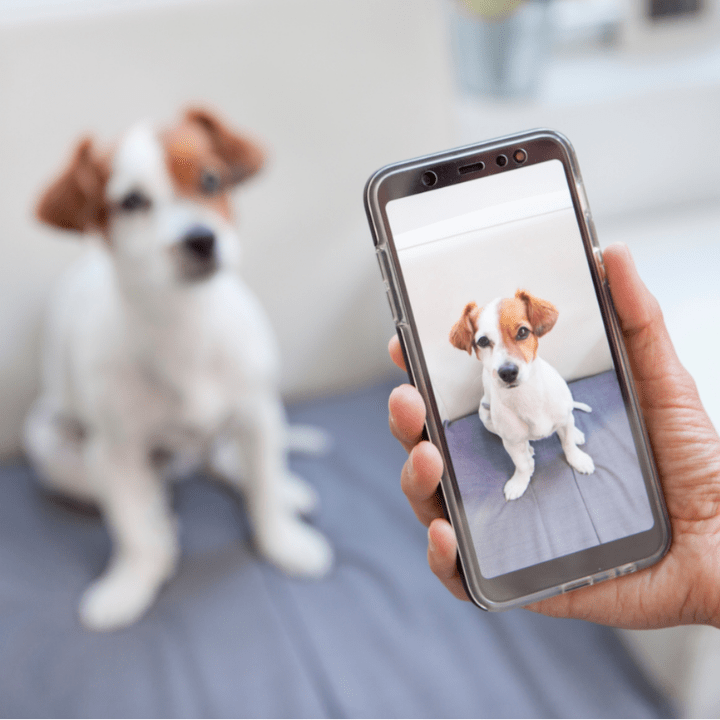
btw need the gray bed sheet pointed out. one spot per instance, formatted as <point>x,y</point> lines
<point>232,637</point>
<point>562,511</point>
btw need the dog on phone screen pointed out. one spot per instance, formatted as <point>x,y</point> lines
<point>524,397</point>
<point>158,359</point>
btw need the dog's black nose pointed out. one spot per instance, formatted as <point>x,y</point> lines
<point>508,373</point>
<point>199,243</point>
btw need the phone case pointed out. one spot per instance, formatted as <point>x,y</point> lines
<point>545,579</point>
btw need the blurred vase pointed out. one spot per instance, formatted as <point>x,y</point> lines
<point>501,55</point>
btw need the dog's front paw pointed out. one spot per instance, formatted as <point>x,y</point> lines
<point>122,595</point>
<point>579,436</point>
<point>297,548</point>
<point>308,440</point>
<point>516,486</point>
<point>299,496</point>
<point>581,461</point>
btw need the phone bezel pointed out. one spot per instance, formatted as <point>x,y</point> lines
<point>581,568</point>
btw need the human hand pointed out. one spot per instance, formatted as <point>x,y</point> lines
<point>684,587</point>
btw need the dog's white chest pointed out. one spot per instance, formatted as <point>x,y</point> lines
<point>207,405</point>
<point>519,417</point>
<point>201,406</point>
<point>539,428</point>
<point>188,399</point>
<point>535,409</point>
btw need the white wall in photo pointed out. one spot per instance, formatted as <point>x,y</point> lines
<point>543,255</point>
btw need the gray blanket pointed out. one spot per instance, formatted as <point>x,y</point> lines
<point>562,511</point>
<point>230,636</point>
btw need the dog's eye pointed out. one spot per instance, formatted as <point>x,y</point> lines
<point>210,182</point>
<point>135,201</point>
<point>523,333</point>
<point>482,342</point>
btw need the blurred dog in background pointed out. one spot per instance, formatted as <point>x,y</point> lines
<point>159,359</point>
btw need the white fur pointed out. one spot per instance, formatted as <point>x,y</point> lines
<point>538,404</point>
<point>136,359</point>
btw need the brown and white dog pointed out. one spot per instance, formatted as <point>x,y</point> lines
<point>524,397</point>
<point>156,349</point>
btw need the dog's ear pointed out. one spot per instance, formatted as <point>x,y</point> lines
<point>541,314</point>
<point>243,156</point>
<point>76,200</point>
<point>462,335</point>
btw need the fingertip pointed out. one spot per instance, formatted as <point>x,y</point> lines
<point>442,557</point>
<point>442,549</point>
<point>396,354</point>
<point>635,305</point>
<point>617,248</point>
<point>420,479</point>
<point>407,411</point>
<point>404,395</point>
<point>619,262</point>
<point>427,468</point>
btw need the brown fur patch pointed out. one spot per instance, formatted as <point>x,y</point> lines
<point>542,314</point>
<point>513,316</point>
<point>243,155</point>
<point>76,200</point>
<point>462,334</point>
<point>201,143</point>
<point>188,154</point>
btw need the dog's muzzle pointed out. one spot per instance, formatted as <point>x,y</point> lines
<point>198,254</point>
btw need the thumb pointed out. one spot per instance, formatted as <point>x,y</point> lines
<point>652,354</point>
<point>685,444</point>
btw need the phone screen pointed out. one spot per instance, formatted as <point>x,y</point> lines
<point>496,241</point>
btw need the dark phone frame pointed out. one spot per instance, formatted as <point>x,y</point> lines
<point>581,568</point>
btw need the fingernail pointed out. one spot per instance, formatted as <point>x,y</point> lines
<point>393,392</point>
<point>411,466</point>
<point>432,547</point>
<point>393,426</point>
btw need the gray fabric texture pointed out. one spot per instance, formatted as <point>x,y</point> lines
<point>562,511</point>
<point>230,636</point>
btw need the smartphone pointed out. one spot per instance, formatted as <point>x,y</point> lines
<point>497,287</point>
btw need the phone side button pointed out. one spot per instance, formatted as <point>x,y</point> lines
<point>626,569</point>
<point>584,204</point>
<point>584,582</point>
<point>600,264</point>
<point>393,309</point>
<point>591,227</point>
<point>382,262</point>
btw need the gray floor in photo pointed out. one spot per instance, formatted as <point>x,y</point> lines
<point>562,511</point>
<point>232,637</point>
